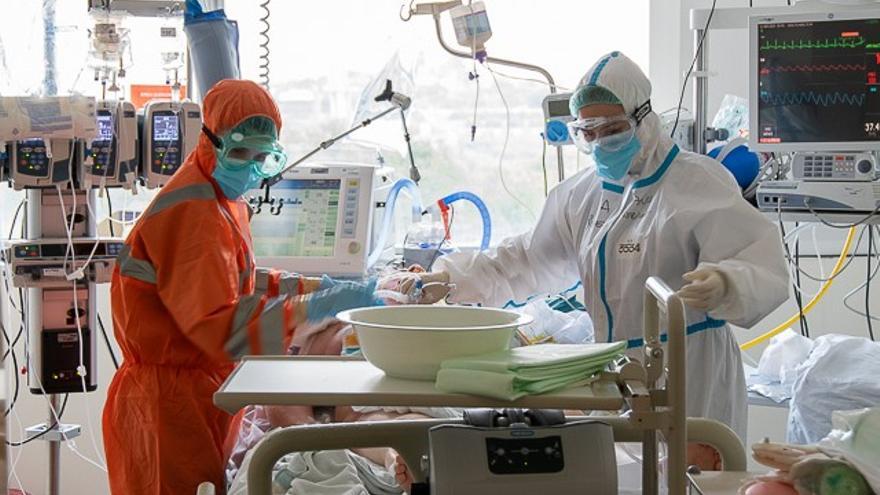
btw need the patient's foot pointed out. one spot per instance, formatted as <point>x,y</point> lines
<point>703,456</point>
<point>395,464</point>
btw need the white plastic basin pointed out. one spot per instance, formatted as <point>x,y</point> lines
<point>411,341</point>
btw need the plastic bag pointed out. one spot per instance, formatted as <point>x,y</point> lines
<point>733,115</point>
<point>400,69</point>
<point>551,326</point>
<point>840,375</point>
<point>780,360</point>
<point>856,438</point>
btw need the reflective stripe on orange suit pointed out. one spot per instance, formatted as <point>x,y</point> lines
<point>183,308</point>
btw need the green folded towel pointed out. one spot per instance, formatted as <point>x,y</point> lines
<point>530,370</point>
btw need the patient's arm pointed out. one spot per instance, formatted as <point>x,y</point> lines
<point>281,416</point>
<point>310,284</point>
<point>324,341</point>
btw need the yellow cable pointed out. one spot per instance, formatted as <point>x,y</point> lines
<point>825,286</point>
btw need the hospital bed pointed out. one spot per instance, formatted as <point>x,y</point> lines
<point>653,391</point>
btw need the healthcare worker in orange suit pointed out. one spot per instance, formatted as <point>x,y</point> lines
<point>188,299</point>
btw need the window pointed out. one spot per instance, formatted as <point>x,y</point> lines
<point>23,68</point>
<point>328,60</point>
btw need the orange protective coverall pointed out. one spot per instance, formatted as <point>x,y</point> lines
<point>187,300</point>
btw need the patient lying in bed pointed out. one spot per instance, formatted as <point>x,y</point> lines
<point>387,457</point>
<point>358,471</point>
<point>367,471</point>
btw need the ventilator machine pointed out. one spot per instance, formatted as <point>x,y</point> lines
<point>320,222</point>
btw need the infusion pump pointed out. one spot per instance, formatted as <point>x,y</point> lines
<point>111,159</point>
<point>170,132</point>
<point>123,148</point>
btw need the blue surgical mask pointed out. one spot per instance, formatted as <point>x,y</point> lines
<point>615,164</point>
<point>235,182</point>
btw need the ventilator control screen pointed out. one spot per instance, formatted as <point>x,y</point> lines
<point>817,81</point>
<point>306,225</point>
<point>165,127</point>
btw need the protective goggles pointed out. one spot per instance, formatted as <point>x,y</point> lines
<point>235,151</point>
<point>609,133</point>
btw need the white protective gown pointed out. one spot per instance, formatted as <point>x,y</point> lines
<point>674,212</point>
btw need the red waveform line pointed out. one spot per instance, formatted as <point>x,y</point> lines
<point>814,68</point>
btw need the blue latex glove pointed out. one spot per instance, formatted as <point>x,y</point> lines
<point>327,282</point>
<point>341,297</point>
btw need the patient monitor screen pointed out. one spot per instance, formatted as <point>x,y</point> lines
<point>306,226</point>
<point>817,81</point>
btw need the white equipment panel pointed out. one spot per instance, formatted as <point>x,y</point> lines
<point>46,262</point>
<point>324,223</point>
<point>845,197</point>
<point>520,460</point>
<point>834,166</point>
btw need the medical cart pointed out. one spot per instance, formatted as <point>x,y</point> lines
<point>654,393</point>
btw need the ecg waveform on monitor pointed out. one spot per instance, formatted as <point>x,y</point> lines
<point>814,68</point>
<point>810,97</point>
<point>814,44</point>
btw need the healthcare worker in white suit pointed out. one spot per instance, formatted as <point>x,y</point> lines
<point>646,209</point>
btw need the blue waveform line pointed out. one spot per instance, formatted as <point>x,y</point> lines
<point>810,97</point>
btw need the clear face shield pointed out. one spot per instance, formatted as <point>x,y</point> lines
<point>609,133</point>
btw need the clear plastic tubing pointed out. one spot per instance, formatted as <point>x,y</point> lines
<point>387,219</point>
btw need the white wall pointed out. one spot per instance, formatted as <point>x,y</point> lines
<point>728,67</point>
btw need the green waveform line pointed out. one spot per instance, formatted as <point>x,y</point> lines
<point>809,44</point>
<point>872,46</point>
